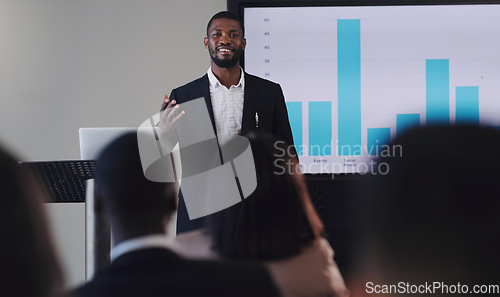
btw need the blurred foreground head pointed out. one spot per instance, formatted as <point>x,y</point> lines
<point>135,205</point>
<point>28,262</point>
<point>435,216</point>
<point>278,219</point>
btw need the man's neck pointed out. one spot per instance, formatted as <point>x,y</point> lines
<point>123,233</point>
<point>227,76</point>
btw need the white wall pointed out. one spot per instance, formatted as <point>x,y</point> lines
<point>66,64</point>
<point>67,221</point>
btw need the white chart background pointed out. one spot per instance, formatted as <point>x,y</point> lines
<point>300,44</point>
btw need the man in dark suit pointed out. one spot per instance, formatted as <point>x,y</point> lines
<point>143,261</point>
<point>237,102</point>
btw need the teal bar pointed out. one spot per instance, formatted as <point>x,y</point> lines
<point>437,91</point>
<point>406,121</point>
<point>320,129</point>
<point>377,137</point>
<point>467,105</point>
<point>295,118</point>
<point>349,86</point>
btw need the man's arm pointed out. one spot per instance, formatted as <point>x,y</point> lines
<point>173,95</point>
<point>170,113</point>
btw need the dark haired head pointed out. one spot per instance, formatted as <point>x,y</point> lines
<point>434,216</point>
<point>277,220</point>
<point>124,190</point>
<point>29,266</point>
<point>226,15</point>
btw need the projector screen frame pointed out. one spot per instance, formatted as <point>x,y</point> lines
<point>238,7</point>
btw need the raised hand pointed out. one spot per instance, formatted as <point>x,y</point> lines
<point>170,113</point>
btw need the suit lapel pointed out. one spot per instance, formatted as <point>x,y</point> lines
<point>205,90</point>
<point>249,105</point>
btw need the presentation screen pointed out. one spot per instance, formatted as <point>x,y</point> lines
<point>355,77</point>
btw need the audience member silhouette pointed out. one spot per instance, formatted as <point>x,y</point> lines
<point>433,220</point>
<point>143,262</point>
<point>28,262</point>
<point>278,224</point>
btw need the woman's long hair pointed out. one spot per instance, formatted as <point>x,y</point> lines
<point>28,263</point>
<point>277,220</point>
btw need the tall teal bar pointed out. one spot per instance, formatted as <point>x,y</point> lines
<point>467,105</point>
<point>406,121</point>
<point>377,137</point>
<point>349,86</point>
<point>320,129</point>
<point>437,91</point>
<point>295,118</point>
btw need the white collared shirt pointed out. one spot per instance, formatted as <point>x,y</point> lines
<point>227,106</point>
<point>144,242</point>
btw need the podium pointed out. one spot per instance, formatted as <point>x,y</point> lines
<point>72,181</point>
<point>62,181</point>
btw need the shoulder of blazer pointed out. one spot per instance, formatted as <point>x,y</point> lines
<point>147,255</point>
<point>198,85</point>
<point>195,83</point>
<point>192,90</point>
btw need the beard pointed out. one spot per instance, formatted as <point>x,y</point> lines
<point>227,63</point>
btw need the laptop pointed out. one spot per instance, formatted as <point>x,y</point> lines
<point>93,140</point>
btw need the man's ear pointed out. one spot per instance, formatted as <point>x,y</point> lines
<point>172,204</point>
<point>173,194</point>
<point>244,43</point>
<point>205,42</point>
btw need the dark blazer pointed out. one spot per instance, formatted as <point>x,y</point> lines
<point>262,97</point>
<point>160,272</point>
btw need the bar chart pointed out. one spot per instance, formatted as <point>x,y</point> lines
<point>356,77</point>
